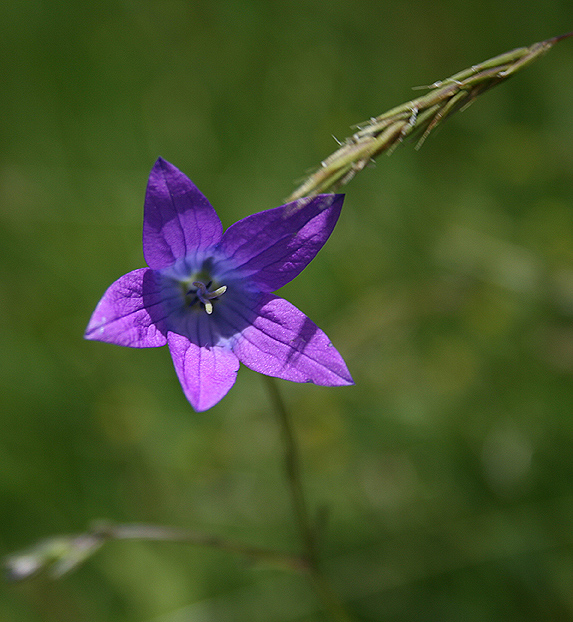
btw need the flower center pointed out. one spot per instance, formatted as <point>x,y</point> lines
<point>202,294</point>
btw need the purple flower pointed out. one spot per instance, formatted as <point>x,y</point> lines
<point>207,294</point>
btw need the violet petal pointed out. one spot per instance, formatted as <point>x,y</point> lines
<point>178,220</point>
<point>274,246</point>
<point>130,312</point>
<point>282,342</point>
<point>206,371</point>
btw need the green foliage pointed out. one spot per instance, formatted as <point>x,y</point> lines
<point>447,286</point>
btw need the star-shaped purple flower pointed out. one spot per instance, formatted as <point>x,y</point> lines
<point>207,294</point>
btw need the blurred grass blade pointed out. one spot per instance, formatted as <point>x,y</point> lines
<point>417,117</point>
<point>57,555</point>
<point>60,555</point>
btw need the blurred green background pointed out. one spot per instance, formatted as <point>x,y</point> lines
<point>447,286</point>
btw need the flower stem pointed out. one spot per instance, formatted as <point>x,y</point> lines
<point>330,600</point>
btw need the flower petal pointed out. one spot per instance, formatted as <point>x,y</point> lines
<point>282,342</point>
<point>178,220</point>
<point>274,246</point>
<point>130,312</point>
<point>206,371</point>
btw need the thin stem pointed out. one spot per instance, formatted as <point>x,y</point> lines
<point>160,533</point>
<point>62,554</point>
<point>293,473</point>
<point>320,583</point>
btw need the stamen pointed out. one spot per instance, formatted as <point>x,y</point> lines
<point>206,296</point>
